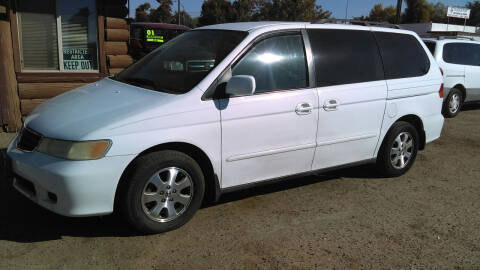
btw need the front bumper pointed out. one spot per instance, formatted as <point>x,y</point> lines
<point>69,188</point>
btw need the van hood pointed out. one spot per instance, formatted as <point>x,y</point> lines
<point>95,107</point>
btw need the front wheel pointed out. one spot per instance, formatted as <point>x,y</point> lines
<point>453,103</point>
<point>163,192</point>
<point>399,150</point>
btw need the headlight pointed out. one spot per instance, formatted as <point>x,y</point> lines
<point>74,150</point>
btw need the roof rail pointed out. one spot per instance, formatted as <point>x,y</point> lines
<point>359,22</point>
<point>454,37</point>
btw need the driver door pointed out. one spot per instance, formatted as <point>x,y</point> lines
<point>271,133</point>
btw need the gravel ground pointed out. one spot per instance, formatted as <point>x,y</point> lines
<point>426,219</point>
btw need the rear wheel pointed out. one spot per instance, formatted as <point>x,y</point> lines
<point>453,103</point>
<point>399,150</point>
<point>163,192</point>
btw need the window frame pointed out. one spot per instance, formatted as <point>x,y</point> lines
<point>212,92</point>
<point>58,19</point>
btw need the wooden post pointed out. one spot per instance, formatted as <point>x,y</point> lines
<point>10,103</point>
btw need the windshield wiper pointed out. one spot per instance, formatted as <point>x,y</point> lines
<point>141,82</point>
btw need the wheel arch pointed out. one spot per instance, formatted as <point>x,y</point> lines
<point>417,122</point>
<point>462,88</point>
<point>212,185</point>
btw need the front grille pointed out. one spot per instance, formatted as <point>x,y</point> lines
<point>28,140</point>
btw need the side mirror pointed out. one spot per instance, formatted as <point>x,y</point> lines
<point>241,85</point>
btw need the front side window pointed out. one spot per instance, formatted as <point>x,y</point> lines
<point>345,56</point>
<point>58,35</point>
<point>462,53</point>
<point>180,64</point>
<point>403,55</point>
<point>276,63</point>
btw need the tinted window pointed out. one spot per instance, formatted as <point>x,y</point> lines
<point>277,63</point>
<point>345,56</point>
<point>431,46</point>
<point>403,56</point>
<point>180,64</point>
<point>462,53</point>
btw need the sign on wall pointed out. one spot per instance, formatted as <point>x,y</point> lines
<point>458,12</point>
<point>77,59</point>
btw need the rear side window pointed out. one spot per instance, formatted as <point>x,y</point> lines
<point>345,56</point>
<point>403,55</point>
<point>276,63</point>
<point>462,53</point>
<point>431,46</point>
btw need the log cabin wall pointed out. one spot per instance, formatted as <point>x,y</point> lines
<point>27,90</point>
<point>117,35</point>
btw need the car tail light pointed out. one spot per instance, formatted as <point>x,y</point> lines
<point>440,92</point>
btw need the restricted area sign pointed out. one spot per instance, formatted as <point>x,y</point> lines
<point>458,12</point>
<point>77,59</point>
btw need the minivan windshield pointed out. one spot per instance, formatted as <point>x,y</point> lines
<point>180,64</point>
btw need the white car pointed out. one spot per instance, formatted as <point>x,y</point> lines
<point>459,60</point>
<point>226,106</point>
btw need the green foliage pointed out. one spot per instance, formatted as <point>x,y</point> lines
<point>185,19</point>
<point>417,11</point>
<point>215,12</point>
<point>142,13</point>
<point>163,13</point>
<point>380,14</point>
<point>474,13</point>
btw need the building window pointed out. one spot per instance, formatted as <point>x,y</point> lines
<point>58,35</point>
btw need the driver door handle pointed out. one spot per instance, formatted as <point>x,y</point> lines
<point>304,108</point>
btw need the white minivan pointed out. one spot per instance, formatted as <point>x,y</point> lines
<point>227,106</point>
<point>459,60</point>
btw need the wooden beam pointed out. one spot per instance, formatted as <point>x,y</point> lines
<point>26,77</point>
<point>101,46</point>
<point>10,103</point>
<point>45,90</point>
<point>114,71</point>
<point>119,61</point>
<point>116,23</point>
<point>116,48</point>
<point>117,35</point>
<point>28,105</point>
<point>15,40</point>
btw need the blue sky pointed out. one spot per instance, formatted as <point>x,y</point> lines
<point>337,7</point>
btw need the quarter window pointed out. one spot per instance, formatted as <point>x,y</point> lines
<point>403,55</point>
<point>345,56</point>
<point>58,35</point>
<point>276,63</point>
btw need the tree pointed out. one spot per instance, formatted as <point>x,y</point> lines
<point>245,10</point>
<point>142,13</point>
<point>163,13</point>
<point>380,14</point>
<point>417,11</point>
<point>292,10</point>
<point>438,12</point>
<point>216,11</point>
<point>474,13</point>
<point>185,19</point>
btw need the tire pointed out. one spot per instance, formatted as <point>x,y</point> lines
<point>153,204</point>
<point>453,103</point>
<point>389,162</point>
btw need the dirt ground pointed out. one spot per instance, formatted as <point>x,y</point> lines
<point>426,219</point>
